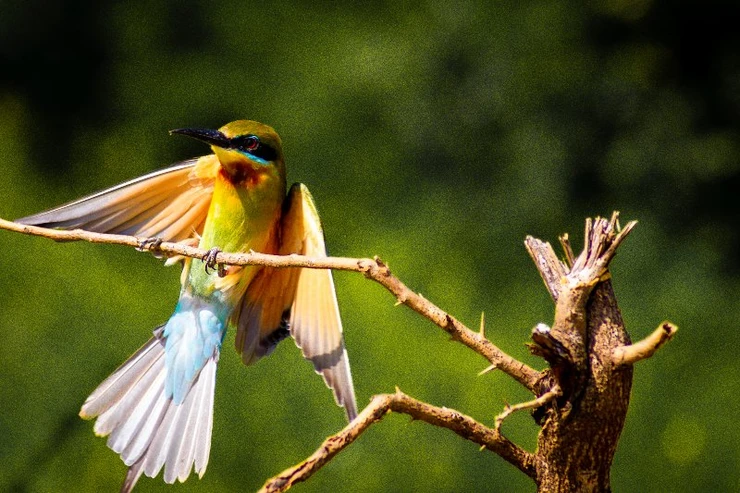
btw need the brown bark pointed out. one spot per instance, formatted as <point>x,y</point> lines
<point>578,439</point>
<point>581,429</point>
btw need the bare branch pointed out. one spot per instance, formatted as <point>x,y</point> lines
<point>632,353</point>
<point>171,249</point>
<point>540,401</point>
<point>373,269</point>
<point>379,407</point>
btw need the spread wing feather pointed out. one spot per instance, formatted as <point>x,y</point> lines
<point>301,301</point>
<point>170,204</point>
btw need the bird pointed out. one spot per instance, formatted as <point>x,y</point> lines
<point>157,407</point>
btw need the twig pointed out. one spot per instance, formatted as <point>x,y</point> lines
<point>171,249</point>
<point>379,407</point>
<point>373,269</point>
<point>632,353</point>
<point>540,401</point>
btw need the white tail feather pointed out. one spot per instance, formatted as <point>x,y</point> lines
<point>146,427</point>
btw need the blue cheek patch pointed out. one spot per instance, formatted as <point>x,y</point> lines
<point>252,157</point>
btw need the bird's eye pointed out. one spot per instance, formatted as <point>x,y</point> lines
<point>247,143</point>
<point>252,145</point>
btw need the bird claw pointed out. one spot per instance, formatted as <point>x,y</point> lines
<point>210,262</point>
<point>150,244</point>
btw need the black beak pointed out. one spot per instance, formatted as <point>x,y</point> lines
<point>213,137</point>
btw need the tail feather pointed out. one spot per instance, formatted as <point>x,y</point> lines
<point>146,427</point>
<point>132,476</point>
<point>184,455</point>
<point>202,431</point>
<point>123,379</point>
<point>165,438</point>
<point>193,426</point>
<point>132,436</point>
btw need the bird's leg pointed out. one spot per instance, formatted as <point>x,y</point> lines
<point>210,262</point>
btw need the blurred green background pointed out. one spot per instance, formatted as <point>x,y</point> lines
<point>436,135</point>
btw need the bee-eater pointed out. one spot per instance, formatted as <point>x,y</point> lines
<point>157,408</point>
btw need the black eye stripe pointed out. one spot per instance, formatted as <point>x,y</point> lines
<point>246,143</point>
<point>251,144</point>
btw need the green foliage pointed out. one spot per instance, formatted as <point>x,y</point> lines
<point>436,136</point>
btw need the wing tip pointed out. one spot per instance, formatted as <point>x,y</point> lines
<point>351,410</point>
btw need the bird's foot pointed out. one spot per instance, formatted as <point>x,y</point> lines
<point>210,262</point>
<point>150,244</point>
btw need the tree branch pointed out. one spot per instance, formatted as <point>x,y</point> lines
<point>373,269</point>
<point>583,395</point>
<point>632,353</point>
<point>540,401</point>
<point>379,407</point>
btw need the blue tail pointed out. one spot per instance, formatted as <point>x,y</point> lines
<point>194,334</point>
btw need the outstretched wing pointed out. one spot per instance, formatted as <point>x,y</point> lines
<point>299,302</point>
<point>170,204</point>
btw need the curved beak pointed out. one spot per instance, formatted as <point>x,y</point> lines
<point>213,137</point>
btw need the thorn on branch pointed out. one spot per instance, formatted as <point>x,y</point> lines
<point>401,299</point>
<point>482,330</point>
<point>632,353</point>
<point>487,369</point>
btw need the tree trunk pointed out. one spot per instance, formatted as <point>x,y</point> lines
<point>578,439</point>
<point>581,427</point>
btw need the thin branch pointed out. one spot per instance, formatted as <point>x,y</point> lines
<point>170,249</point>
<point>379,407</point>
<point>373,269</point>
<point>540,401</point>
<point>632,353</point>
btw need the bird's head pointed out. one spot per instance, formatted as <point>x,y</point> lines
<point>246,149</point>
